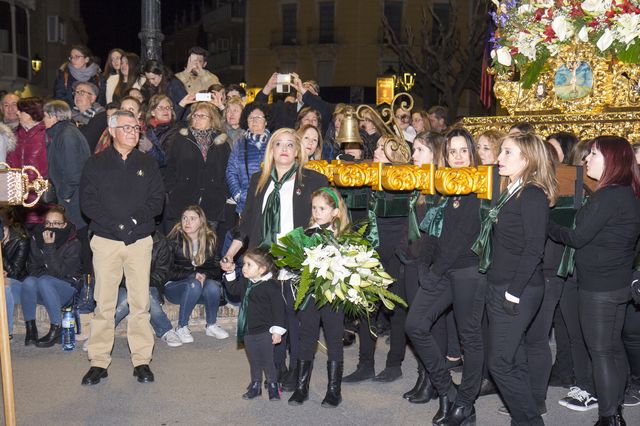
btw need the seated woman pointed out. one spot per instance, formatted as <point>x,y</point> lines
<point>54,269</point>
<point>15,250</point>
<point>195,275</point>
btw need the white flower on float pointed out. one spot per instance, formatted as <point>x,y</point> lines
<point>525,8</point>
<point>629,27</point>
<point>605,40</point>
<point>503,55</point>
<point>526,44</point>
<point>583,34</point>
<point>561,27</point>
<point>596,6</point>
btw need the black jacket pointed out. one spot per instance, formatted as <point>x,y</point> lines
<point>182,267</point>
<point>60,259</point>
<point>67,153</point>
<point>190,180</point>
<point>122,197</point>
<point>605,236</point>
<point>250,226</point>
<point>265,307</point>
<point>518,240</point>
<point>452,250</point>
<point>14,255</point>
<point>94,129</point>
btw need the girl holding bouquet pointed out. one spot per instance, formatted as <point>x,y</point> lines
<point>328,212</point>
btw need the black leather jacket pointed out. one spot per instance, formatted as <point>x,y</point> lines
<point>183,268</point>
<point>15,253</point>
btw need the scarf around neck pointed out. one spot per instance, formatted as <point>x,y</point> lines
<point>271,213</point>
<point>204,139</point>
<point>84,74</point>
<point>257,140</point>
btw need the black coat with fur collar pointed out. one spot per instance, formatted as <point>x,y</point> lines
<point>60,259</point>
<point>189,179</point>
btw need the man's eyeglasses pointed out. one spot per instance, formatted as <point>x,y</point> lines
<point>82,93</point>
<point>129,129</point>
<point>163,108</point>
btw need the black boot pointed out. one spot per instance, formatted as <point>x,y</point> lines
<point>422,375</point>
<point>609,421</point>
<point>446,404</point>
<point>389,374</point>
<point>301,394</point>
<point>425,394</point>
<point>31,337</point>
<point>51,338</point>
<point>274,392</point>
<point>289,381</point>
<point>333,398</point>
<point>487,387</point>
<point>460,416</point>
<point>253,391</point>
<point>364,371</point>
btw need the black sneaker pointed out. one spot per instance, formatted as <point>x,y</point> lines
<point>582,401</point>
<point>631,397</point>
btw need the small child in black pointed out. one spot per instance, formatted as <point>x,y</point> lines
<point>260,320</point>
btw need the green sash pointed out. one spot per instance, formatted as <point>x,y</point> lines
<point>242,314</point>
<point>434,219</point>
<point>482,246</point>
<point>271,213</point>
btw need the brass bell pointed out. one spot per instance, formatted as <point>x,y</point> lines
<point>349,129</point>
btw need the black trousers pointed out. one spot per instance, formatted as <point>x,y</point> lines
<point>631,340</point>
<point>539,354</point>
<point>563,364</point>
<point>259,349</point>
<point>333,326</point>
<point>291,340</point>
<point>582,368</point>
<point>602,315</point>
<point>465,290</point>
<point>507,351</point>
<point>392,233</point>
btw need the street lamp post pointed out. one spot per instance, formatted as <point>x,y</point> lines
<point>151,35</point>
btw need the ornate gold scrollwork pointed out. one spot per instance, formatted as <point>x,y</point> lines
<point>19,185</point>
<point>464,181</point>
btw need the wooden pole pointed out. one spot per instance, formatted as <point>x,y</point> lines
<point>5,357</point>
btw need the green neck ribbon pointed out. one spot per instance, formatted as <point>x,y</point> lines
<point>271,213</point>
<point>434,219</point>
<point>242,314</point>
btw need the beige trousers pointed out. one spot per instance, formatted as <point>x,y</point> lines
<point>110,260</point>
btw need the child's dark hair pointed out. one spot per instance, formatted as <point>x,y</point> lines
<point>262,258</point>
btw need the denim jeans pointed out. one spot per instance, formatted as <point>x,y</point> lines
<point>159,320</point>
<point>49,291</point>
<point>12,291</point>
<point>189,292</point>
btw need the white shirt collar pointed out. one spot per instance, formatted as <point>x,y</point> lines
<point>263,278</point>
<point>514,185</point>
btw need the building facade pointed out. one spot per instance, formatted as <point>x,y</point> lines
<point>36,30</point>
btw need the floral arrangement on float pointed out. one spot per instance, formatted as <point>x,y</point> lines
<point>528,33</point>
<point>342,271</point>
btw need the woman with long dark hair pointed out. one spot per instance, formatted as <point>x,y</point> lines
<point>605,236</point>
<point>160,81</point>
<point>128,76</point>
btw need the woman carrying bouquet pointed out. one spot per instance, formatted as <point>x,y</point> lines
<point>278,200</point>
<point>328,212</point>
<point>449,276</point>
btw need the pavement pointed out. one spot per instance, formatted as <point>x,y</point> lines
<point>202,383</point>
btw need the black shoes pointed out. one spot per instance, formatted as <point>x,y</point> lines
<point>143,373</point>
<point>51,338</point>
<point>364,372</point>
<point>460,416</point>
<point>274,391</point>
<point>31,337</point>
<point>253,391</point>
<point>94,375</point>
<point>425,394</point>
<point>446,405</point>
<point>289,380</point>
<point>301,394</point>
<point>388,375</point>
<point>422,375</point>
<point>333,398</point>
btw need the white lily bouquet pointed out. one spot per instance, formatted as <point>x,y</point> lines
<point>342,271</point>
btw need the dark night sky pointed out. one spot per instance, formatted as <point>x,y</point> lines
<point>116,23</point>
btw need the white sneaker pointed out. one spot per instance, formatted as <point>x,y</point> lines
<point>172,339</point>
<point>184,334</point>
<point>214,330</point>
<point>582,401</point>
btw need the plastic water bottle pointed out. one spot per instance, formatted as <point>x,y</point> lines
<point>68,330</point>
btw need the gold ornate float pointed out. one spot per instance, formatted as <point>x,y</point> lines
<point>578,91</point>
